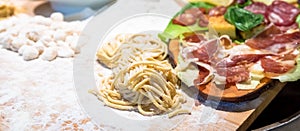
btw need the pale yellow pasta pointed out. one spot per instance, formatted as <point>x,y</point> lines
<point>142,79</point>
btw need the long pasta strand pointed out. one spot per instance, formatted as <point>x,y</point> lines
<point>142,79</point>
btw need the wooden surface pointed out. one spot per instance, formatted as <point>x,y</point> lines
<point>231,93</point>
<point>231,120</point>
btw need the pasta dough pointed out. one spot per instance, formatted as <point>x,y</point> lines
<point>142,79</point>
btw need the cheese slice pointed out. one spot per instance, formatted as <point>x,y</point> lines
<point>248,85</point>
<point>256,74</point>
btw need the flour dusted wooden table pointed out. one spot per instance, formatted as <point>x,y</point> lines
<point>204,117</point>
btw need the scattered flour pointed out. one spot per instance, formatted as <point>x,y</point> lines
<point>39,95</point>
<point>32,36</point>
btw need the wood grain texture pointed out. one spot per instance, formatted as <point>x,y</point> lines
<point>231,93</point>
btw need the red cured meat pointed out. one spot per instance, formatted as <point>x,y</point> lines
<point>194,38</point>
<point>206,51</point>
<point>203,73</point>
<point>259,8</point>
<point>184,20</point>
<point>282,13</point>
<point>273,66</point>
<point>265,42</point>
<point>217,11</point>
<point>237,60</point>
<point>234,74</point>
<point>196,12</point>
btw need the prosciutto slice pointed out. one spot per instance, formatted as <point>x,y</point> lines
<point>206,51</point>
<point>276,43</point>
<point>234,74</point>
<point>274,51</point>
<point>277,67</point>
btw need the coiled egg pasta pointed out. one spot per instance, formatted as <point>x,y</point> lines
<point>142,80</point>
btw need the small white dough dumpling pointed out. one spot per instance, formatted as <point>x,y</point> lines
<point>57,16</point>
<point>21,50</point>
<point>17,43</point>
<point>62,43</point>
<point>59,35</point>
<point>50,44</point>
<point>32,36</point>
<point>30,53</point>
<point>72,42</point>
<point>39,46</point>
<point>65,52</point>
<point>6,42</point>
<point>49,54</point>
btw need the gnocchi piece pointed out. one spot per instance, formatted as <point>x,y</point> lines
<point>65,52</point>
<point>49,54</point>
<point>6,42</point>
<point>39,46</point>
<point>57,16</point>
<point>59,35</point>
<point>21,50</point>
<point>49,37</point>
<point>50,44</point>
<point>17,43</point>
<point>62,43</point>
<point>30,53</point>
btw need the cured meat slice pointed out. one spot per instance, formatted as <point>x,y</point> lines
<point>282,13</point>
<point>203,74</point>
<point>268,41</point>
<point>191,16</point>
<point>206,51</point>
<point>196,12</point>
<point>270,65</point>
<point>203,21</point>
<point>234,74</point>
<point>235,69</point>
<point>237,60</point>
<point>217,11</point>
<point>259,8</point>
<point>184,20</point>
<point>269,31</point>
<point>194,38</point>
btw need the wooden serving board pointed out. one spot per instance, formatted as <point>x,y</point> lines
<point>231,93</point>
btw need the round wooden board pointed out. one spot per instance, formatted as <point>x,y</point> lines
<point>231,93</point>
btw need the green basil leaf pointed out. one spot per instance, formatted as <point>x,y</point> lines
<point>298,20</point>
<point>242,19</point>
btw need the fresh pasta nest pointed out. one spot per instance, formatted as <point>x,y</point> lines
<point>142,79</point>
